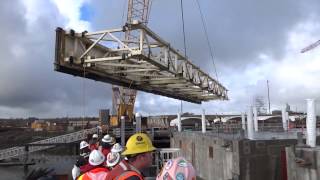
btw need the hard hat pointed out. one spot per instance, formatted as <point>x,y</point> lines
<point>113,159</point>
<point>95,136</point>
<point>178,168</point>
<point>107,139</point>
<point>113,141</point>
<point>138,143</point>
<point>96,158</point>
<point>83,144</point>
<point>117,148</point>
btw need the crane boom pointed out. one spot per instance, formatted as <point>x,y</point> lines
<point>310,47</point>
<point>124,98</point>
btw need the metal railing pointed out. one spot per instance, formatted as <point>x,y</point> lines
<point>162,155</point>
<point>67,138</point>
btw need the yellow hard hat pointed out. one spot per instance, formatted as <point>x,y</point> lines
<point>138,143</point>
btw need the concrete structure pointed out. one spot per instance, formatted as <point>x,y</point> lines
<point>284,118</point>
<point>255,119</point>
<point>188,122</point>
<point>250,123</point>
<point>243,121</point>
<point>303,163</point>
<point>311,123</point>
<point>217,158</point>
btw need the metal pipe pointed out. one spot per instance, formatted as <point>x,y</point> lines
<point>122,130</point>
<point>203,121</point>
<point>311,123</point>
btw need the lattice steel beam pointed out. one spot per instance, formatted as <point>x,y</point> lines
<point>143,66</point>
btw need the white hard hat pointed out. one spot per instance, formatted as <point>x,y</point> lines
<point>83,144</point>
<point>117,148</point>
<point>113,140</point>
<point>107,139</point>
<point>95,136</point>
<point>96,158</point>
<point>113,159</point>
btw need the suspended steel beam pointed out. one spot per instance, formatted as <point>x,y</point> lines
<point>141,66</point>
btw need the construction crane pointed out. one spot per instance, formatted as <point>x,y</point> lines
<point>141,61</point>
<point>310,47</point>
<point>123,99</point>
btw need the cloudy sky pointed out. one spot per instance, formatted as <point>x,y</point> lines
<point>253,41</point>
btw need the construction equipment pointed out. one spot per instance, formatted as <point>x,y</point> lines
<point>146,63</point>
<point>123,98</point>
<point>310,47</point>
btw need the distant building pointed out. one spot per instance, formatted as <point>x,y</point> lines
<point>38,125</point>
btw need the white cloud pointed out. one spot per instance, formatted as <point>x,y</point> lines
<point>70,9</point>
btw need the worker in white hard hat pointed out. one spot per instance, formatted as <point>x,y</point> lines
<point>117,148</point>
<point>114,157</point>
<point>106,144</point>
<point>84,149</point>
<point>95,136</point>
<point>81,164</point>
<point>99,171</point>
<point>94,142</point>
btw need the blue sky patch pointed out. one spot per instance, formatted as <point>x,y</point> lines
<point>86,12</point>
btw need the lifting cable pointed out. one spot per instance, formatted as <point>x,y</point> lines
<point>184,43</point>
<point>207,38</point>
<point>83,95</point>
<point>183,29</point>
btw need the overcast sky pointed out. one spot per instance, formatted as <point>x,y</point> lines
<point>253,41</point>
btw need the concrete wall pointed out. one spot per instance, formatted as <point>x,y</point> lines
<point>303,163</point>
<point>217,158</point>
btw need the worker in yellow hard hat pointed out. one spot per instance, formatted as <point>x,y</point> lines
<point>138,151</point>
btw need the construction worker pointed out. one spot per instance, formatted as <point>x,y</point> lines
<point>84,149</point>
<point>106,144</point>
<point>138,151</point>
<point>99,171</point>
<point>94,142</point>
<point>81,164</point>
<point>114,157</point>
<point>178,168</point>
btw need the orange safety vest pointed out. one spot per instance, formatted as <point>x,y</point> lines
<point>123,170</point>
<point>127,174</point>
<point>94,174</point>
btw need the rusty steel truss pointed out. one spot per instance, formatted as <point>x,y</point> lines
<point>148,64</point>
